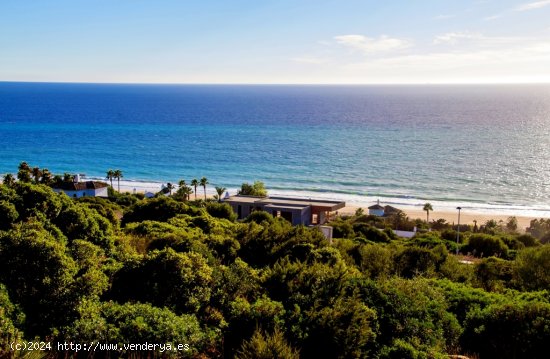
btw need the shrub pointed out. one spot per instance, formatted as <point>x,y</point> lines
<point>532,268</point>
<point>259,217</point>
<point>376,261</point>
<point>180,281</point>
<point>493,274</point>
<point>10,318</point>
<point>413,261</point>
<point>509,330</point>
<point>370,233</point>
<point>156,209</point>
<point>111,322</point>
<point>267,346</point>
<point>485,245</point>
<point>221,210</point>
<point>410,310</point>
<point>342,229</point>
<point>8,215</point>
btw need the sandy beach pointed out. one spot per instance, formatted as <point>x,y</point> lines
<point>466,216</point>
<point>452,217</point>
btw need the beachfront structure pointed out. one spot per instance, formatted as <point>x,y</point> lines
<point>376,210</point>
<point>83,189</point>
<point>298,211</point>
<point>382,211</point>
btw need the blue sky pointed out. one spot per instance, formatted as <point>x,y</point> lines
<point>282,41</point>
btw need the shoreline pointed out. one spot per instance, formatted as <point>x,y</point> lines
<point>452,217</point>
<point>467,215</point>
<point>412,207</point>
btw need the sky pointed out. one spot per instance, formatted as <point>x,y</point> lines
<point>276,41</point>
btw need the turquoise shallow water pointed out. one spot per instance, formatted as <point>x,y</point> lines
<point>484,147</point>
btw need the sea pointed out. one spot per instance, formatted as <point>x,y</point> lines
<point>485,148</point>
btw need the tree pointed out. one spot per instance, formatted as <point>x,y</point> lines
<point>266,346</point>
<point>184,191</point>
<point>10,318</point>
<point>118,175</point>
<point>182,183</point>
<point>531,268</point>
<point>257,189</point>
<point>137,323</point>
<point>110,176</point>
<point>220,191</point>
<point>38,273</point>
<point>47,177</point>
<point>485,245</point>
<point>539,228</point>
<point>68,178</point>
<point>518,329</point>
<point>156,209</point>
<point>179,281</point>
<point>170,187</point>
<point>8,180</point>
<point>203,183</point>
<point>8,215</point>
<point>512,224</point>
<point>37,174</point>
<point>195,183</point>
<point>24,172</point>
<point>427,207</point>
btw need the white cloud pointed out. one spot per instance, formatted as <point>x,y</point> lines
<point>454,37</point>
<point>477,40</point>
<point>533,5</point>
<point>521,62</point>
<point>369,45</point>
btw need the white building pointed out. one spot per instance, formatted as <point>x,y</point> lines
<point>83,189</point>
<point>376,210</point>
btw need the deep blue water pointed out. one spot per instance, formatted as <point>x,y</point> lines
<point>478,146</point>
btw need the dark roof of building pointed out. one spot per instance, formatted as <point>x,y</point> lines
<point>79,186</point>
<point>391,210</point>
<point>281,202</point>
<point>376,206</point>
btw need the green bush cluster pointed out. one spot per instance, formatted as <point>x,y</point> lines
<point>162,271</point>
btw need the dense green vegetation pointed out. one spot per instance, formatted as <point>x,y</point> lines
<point>165,270</point>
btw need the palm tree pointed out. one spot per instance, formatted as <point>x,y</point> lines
<point>195,183</point>
<point>9,180</point>
<point>203,183</point>
<point>46,177</point>
<point>118,175</point>
<point>68,178</point>
<point>427,208</point>
<point>170,187</point>
<point>220,191</point>
<point>36,173</point>
<point>185,191</point>
<point>110,176</point>
<point>24,172</point>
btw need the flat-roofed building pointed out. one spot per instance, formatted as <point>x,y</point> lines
<point>304,211</point>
